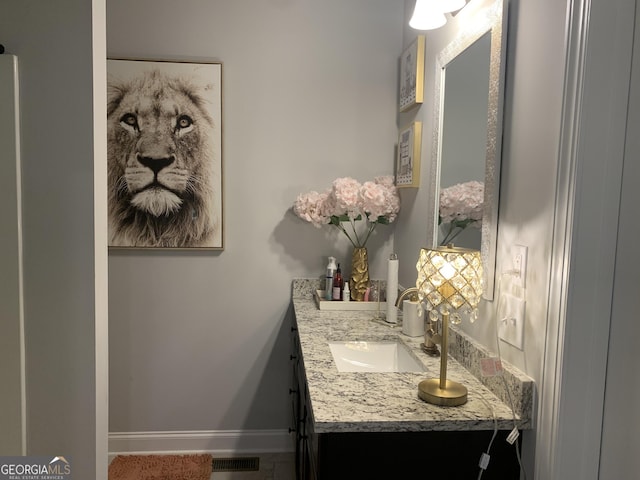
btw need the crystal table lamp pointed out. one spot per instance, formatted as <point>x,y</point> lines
<point>449,280</point>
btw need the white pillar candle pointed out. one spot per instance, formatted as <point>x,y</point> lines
<point>412,323</point>
<point>392,289</point>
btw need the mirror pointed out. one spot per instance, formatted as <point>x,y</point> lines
<point>469,89</point>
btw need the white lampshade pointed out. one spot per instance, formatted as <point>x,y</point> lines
<point>427,16</point>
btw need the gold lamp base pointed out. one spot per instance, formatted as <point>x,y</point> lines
<point>452,395</point>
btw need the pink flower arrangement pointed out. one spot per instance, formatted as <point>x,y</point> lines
<point>349,201</point>
<point>461,206</point>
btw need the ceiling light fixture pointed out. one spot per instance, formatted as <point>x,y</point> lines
<point>426,16</point>
<point>429,14</point>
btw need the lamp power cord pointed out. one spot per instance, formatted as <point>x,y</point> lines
<point>484,458</point>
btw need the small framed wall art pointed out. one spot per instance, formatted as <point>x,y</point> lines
<point>164,160</point>
<point>408,162</point>
<point>412,74</point>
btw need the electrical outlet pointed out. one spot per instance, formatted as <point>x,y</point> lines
<point>519,260</point>
<point>511,320</point>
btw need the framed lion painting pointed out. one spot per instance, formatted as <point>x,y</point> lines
<point>164,159</point>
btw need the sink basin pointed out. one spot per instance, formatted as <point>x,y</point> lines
<point>373,356</point>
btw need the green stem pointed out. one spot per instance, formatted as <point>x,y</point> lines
<point>372,226</point>
<point>353,227</point>
<point>448,237</point>
<point>339,225</point>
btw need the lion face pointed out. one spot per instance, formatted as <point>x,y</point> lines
<point>160,162</point>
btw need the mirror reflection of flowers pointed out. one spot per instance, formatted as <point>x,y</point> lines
<point>461,207</point>
<point>348,201</point>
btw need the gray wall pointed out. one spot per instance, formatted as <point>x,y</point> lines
<point>620,439</point>
<point>11,312</point>
<point>198,341</point>
<point>55,47</point>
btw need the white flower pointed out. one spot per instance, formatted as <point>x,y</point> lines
<point>461,206</point>
<point>461,202</point>
<point>311,207</point>
<point>348,200</point>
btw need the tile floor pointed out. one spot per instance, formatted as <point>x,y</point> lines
<point>273,466</point>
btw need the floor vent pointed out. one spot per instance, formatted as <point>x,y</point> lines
<point>237,464</point>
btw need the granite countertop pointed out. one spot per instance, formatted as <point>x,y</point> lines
<point>389,402</point>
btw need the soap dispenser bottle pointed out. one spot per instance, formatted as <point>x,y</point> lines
<point>328,283</point>
<point>346,293</point>
<point>337,284</point>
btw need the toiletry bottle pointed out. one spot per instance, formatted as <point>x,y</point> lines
<point>328,283</point>
<point>337,284</point>
<point>346,293</point>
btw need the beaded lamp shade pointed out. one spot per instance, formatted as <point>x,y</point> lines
<point>449,279</point>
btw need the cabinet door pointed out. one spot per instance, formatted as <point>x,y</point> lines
<point>299,408</point>
<point>310,446</point>
<point>446,454</point>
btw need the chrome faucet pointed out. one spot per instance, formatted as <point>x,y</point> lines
<point>428,347</point>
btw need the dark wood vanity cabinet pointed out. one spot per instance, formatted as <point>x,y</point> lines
<point>387,455</point>
<point>301,418</point>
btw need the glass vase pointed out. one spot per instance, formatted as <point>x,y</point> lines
<point>359,273</point>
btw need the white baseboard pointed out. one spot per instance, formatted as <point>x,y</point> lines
<point>219,442</point>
